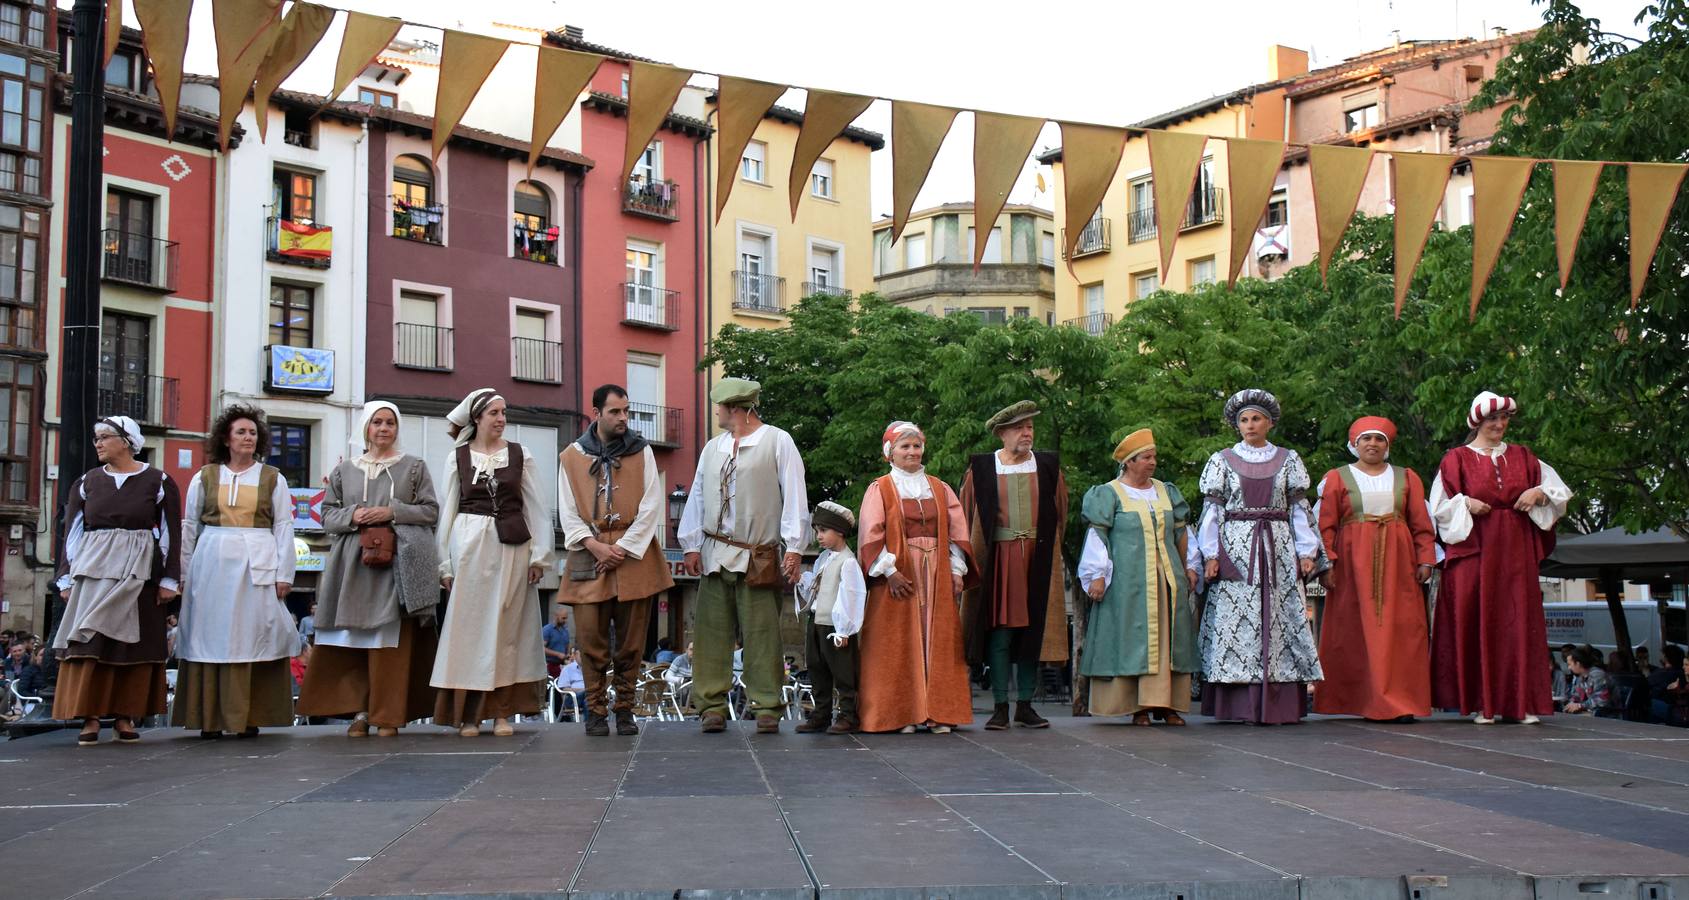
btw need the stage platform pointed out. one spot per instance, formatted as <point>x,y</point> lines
<point>1334,808</point>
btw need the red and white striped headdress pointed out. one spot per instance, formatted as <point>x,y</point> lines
<point>894,431</point>
<point>1488,404</point>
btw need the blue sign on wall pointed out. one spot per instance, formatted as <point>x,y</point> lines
<point>300,369</point>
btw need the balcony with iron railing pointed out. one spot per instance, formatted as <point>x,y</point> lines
<point>423,223</point>
<point>537,244</point>
<point>1203,208</point>
<point>1093,324</point>
<point>759,293</point>
<point>533,359</point>
<point>427,347</point>
<point>290,253</point>
<point>659,425</point>
<point>139,260</point>
<point>652,199</point>
<point>647,306</point>
<point>814,288</point>
<point>1093,238</point>
<point>151,400</point>
<point>1140,225</point>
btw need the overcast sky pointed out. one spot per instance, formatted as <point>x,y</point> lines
<point>1107,62</point>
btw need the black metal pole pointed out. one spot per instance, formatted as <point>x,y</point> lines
<point>79,359</point>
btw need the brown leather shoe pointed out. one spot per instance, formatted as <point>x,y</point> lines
<point>844,725</point>
<point>1027,717</point>
<point>712,722</point>
<point>625,725</point>
<point>999,720</point>
<point>1172,718</point>
<point>1141,718</point>
<point>817,720</point>
<point>769,724</point>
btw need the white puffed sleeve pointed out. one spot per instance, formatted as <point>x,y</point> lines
<point>1094,561</point>
<point>1544,515</point>
<point>1454,520</point>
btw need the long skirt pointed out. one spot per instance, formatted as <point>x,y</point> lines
<point>390,684</point>
<point>1123,695</point>
<point>233,696</point>
<point>913,668</point>
<point>458,708</point>
<point>89,688</point>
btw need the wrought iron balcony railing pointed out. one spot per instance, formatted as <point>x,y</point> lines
<point>1093,238</point>
<point>646,306</point>
<point>758,293</point>
<point>420,222</point>
<point>658,424</point>
<point>532,359</point>
<point>1095,323</point>
<point>654,199</point>
<point>148,399</point>
<point>140,260</point>
<point>422,347</point>
<point>811,289</point>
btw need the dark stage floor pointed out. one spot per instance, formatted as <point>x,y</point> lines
<point>1332,808</point>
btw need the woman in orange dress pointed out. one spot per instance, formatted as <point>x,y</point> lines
<point>913,542</point>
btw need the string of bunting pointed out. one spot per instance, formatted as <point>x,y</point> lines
<point>258,47</point>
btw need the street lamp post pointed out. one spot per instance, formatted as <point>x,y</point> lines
<point>677,505</point>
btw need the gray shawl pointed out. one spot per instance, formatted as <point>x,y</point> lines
<point>352,595</point>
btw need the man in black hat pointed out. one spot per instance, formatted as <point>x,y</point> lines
<point>1016,503</point>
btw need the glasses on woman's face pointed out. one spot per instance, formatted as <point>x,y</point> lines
<point>101,438</point>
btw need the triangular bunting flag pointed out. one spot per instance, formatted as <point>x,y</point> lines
<point>559,78</point>
<point>1574,187</point>
<point>245,29</point>
<point>114,30</point>
<point>299,33</point>
<point>1251,171</point>
<point>1090,156</point>
<point>826,114</point>
<point>1001,146</point>
<point>740,105</point>
<point>652,89</point>
<point>365,38</point>
<point>917,131</point>
<point>1175,159</point>
<point>1338,174</point>
<point>1653,190</point>
<point>1420,181</point>
<point>164,34</point>
<point>1498,184</point>
<point>466,60</point>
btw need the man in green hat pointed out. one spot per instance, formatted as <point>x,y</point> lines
<point>1016,503</point>
<point>744,528</point>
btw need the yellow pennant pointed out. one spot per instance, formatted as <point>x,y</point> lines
<point>164,34</point>
<point>1420,180</point>
<point>1090,156</point>
<point>299,33</point>
<point>1574,187</point>
<point>1252,169</point>
<point>114,29</point>
<point>826,115</point>
<point>1338,174</point>
<point>917,131</point>
<point>559,78</point>
<point>1001,146</point>
<point>465,62</point>
<point>245,29</point>
<point>1653,190</point>
<point>1498,184</point>
<point>366,37</point>
<point>652,89</point>
<point>740,105</point>
<point>1175,159</point>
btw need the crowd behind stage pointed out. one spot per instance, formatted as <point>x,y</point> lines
<point>428,606</point>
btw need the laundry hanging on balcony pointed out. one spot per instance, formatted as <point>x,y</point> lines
<point>530,240</point>
<point>300,241</point>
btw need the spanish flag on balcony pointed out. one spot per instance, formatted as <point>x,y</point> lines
<point>304,241</point>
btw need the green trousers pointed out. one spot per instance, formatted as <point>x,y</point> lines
<point>728,608</point>
<point>1026,674</point>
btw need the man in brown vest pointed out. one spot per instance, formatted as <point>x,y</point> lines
<point>610,503</point>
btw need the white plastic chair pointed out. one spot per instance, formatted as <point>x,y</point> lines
<point>566,697</point>
<point>26,704</point>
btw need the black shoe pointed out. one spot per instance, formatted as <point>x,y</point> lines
<point>625,725</point>
<point>1026,717</point>
<point>818,720</point>
<point>999,720</point>
<point>87,739</point>
<point>250,732</point>
<point>210,735</point>
<point>845,724</point>
<point>597,725</point>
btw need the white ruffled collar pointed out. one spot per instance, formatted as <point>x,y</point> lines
<point>1254,454</point>
<point>911,485</point>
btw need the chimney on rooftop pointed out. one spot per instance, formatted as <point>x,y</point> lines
<point>1499,31</point>
<point>575,32</point>
<point>1285,62</point>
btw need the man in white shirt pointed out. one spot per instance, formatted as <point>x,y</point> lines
<point>748,504</point>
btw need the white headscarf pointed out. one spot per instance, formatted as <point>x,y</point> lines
<point>463,415</point>
<point>124,427</point>
<point>367,464</point>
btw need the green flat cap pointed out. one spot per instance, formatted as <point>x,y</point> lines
<point>1012,414</point>
<point>735,392</point>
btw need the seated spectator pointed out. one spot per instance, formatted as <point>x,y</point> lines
<point>1643,666</point>
<point>680,668</point>
<point>665,651</point>
<point>572,680</point>
<point>1619,664</point>
<point>298,665</point>
<point>21,670</point>
<point>1591,688</point>
<point>308,625</point>
<point>1666,683</point>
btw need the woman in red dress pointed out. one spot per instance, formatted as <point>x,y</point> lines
<point>1495,506</point>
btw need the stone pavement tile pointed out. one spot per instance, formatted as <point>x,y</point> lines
<point>1248,770</point>
<point>670,737</point>
<point>717,773</point>
<point>900,842</point>
<point>17,821</point>
<point>968,768</point>
<point>857,773</point>
<point>482,847</point>
<point>1083,840</point>
<point>1090,767</point>
<point>116,782</point>
<point>428,776</point>
<point>1609,819</point>
<point>1371,769</point>
<point>920,741</point>
<point>1297,841</point>
<point>275,780</point>
<point>1508,765</point>
<point>292,850</point>
<point>109,843</point>
<point>552,776</point>
<point>1602,756</point>
<point>1497,838</point>
<point>655,846</point>
<point>1659,748</point>
<point>1671,799</point>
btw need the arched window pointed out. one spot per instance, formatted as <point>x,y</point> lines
<point>535,236</point>
<point>413,181</point>
<point>417,215</point>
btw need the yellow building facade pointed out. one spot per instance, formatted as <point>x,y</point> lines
<point>1118,257</point>
<point>761,262</point>
<point>930,267</point>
